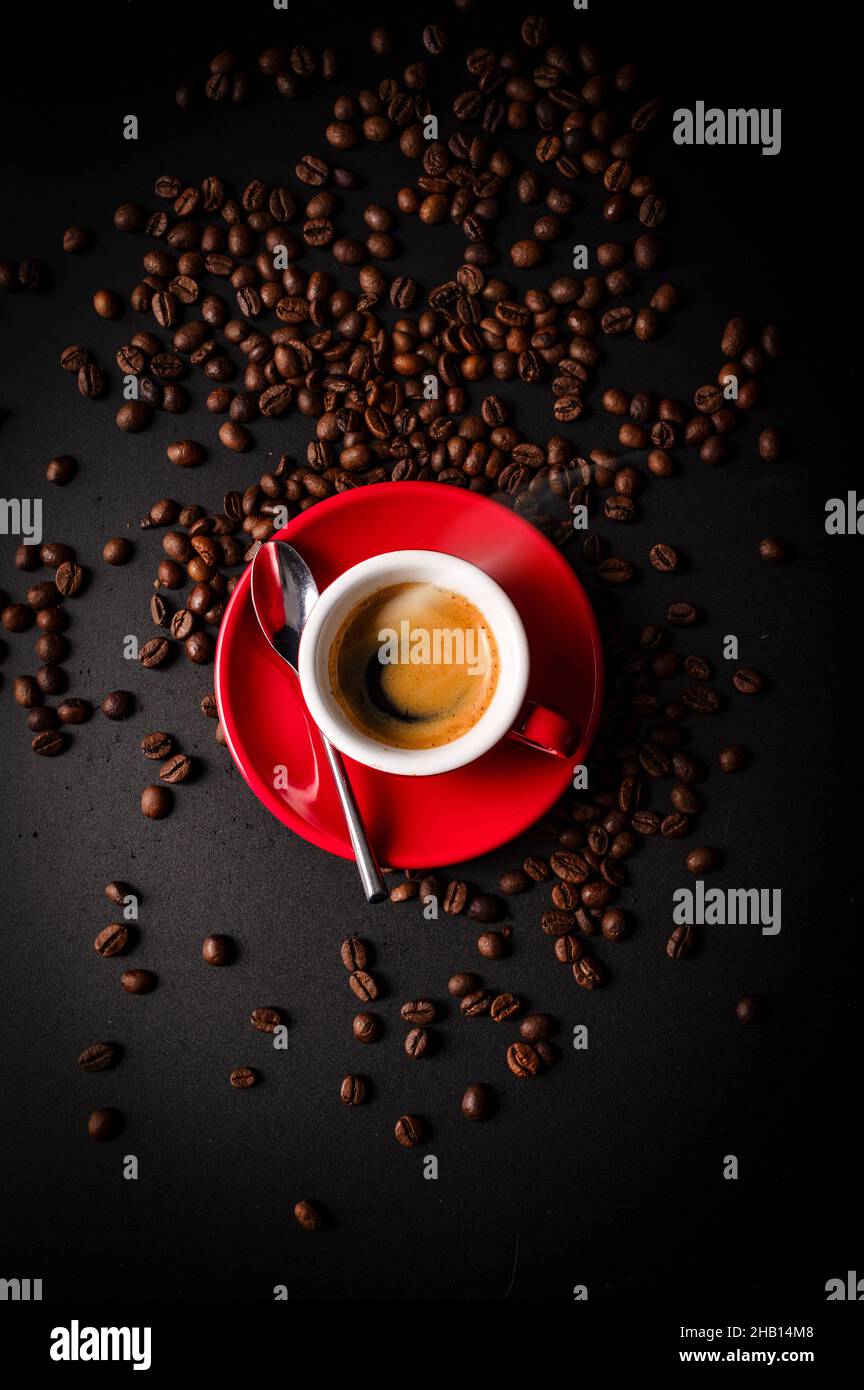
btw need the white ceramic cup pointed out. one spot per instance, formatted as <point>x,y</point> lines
<point>446,572</point>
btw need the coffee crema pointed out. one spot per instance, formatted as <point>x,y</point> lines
<point>414,665</point>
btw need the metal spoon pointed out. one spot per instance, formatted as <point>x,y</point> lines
<point>283,593</point>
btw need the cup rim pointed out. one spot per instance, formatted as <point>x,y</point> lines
<point>506,702</point>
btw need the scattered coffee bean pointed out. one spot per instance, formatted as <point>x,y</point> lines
<point>112,940</point>
<point>418,1011</point>
<point>680,943</point>
<point>118,704</point>
<point>522,1059</point>
<point>354,954</point>
<point>366,1028</point>
<point>462,984</point>
<point>749,1009</point>
<point>416,1042</point>
<point>104,1124</point>
<point>242,1078</point>
<point>156,802</point>
<point>353,1090</point>
<point>157,746</point>
<point>504,1006</point>
<point>478,1102</point>
<point>138,981</point>
<point>308,1215</point>
<point>733,758</point>
<point>217,950</point>
<point>363,986</point>
<point>266,1020</point>
<point>408,1131</point>
<point>747,681</point>
<point>98,1056</point>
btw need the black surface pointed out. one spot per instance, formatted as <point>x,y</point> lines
<point>608,1171</point>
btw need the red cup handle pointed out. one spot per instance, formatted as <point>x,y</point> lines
<point>542,728</point>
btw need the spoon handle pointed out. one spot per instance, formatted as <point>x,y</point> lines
<point>370,874</point>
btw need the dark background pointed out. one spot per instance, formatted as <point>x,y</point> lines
<point>608,1170</point>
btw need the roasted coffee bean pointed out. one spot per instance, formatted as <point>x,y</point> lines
<point>483,907</point>
<point>157,746</point>
<point>663,558</point>
<point>117,892</point>
<point>16,617</point>
<point>536,868</point>
<point>613,924</point>
<point>455,897</point>
<point>680,943</point>
<point>476,1003</point>
<point>682,615</point>
<point>772,550</point>
<point>570,866</point>
<point>416,1042</point>
<point>353,952</point>
<point>587,973</point>
<point>478,1102</point>
<point>104,1124</point>
<point>242,1078</point>
<point>462,984</point>
<point>749,1009</point>
<point>132,417</point>
<point>568,948</point>
<point>308,1215</point>
<point>769,445</point>
<point>112,940</point>
<point>91,382</point>
<point>138,981</point>
<point>733,758</point>
<point>566,896</point>
<point>701,699</point>
<point>514,881</point>
<point>685,799</point>
<point>504,1006</point>
<point>117,551</point>
<point>418,1011</point>
<point>535,1028</point>
<point>493,944</point>
<point>366,1028</point>
<point>26,691</point>
<point>41,718</point>
<point>118,704</point>
<point>522,1059</point>
<point>702,861</point>
<point>266,1020</point>
<point>363,986</point>
<point>615,570</point>
<point>186,453</point>
<point>69,578</point>
<point>674,826</point>
<point>199,648</point>
<point>408,1131</point>
<point>217,950</point>
<point>154,652</point>
<point>404,892</point>
<point>156,802</point>
<point>747,681</point>
<point>177,768</point>
<point>353,1090</point>
<point>98,1056</point>
<point>49,743</point>
<point>556,922</point>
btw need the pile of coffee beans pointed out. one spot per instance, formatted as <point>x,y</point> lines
<point>226,303</point>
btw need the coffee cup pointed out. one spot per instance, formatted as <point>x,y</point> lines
<point>408,706</point>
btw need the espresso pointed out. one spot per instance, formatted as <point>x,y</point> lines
<point>414,666</point>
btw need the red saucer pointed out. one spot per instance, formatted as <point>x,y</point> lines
<point>422,822</point>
